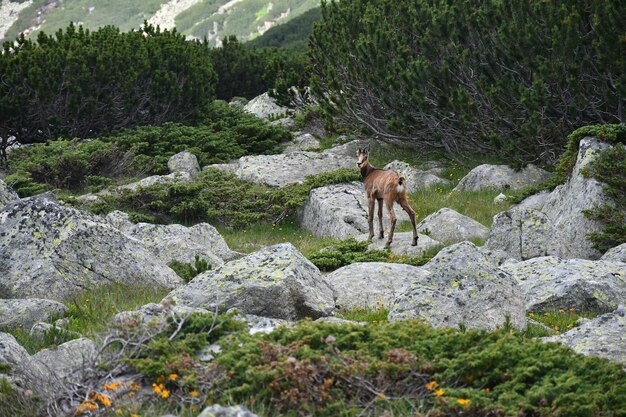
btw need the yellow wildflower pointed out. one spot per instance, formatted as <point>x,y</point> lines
<point>432,385</point>
<point>119,411</point>
<point>173,377</point>
<point>463,402</point>
<point>440,392</point>
<point>194,394</point>
<point>561,311</point>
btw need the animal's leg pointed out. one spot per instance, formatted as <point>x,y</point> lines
<point>370,218</point>
<point>381,234</point>
<point>409,210</point>
<point>392,217</point>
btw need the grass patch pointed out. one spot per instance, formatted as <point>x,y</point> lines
<point>51,338</point>
<point>259,235</point>
<point>369,315</point>
<point>561,320</point>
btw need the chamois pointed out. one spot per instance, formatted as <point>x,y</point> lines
<point>385,186</point>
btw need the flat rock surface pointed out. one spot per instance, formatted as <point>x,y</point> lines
<point>276,282</point>
<point>616,254</point>
<point>523,233</point>
<point>284,169</point>
<point>463,287</point>
<point>416,179</point>
<point>55,252</point>
<point>402,244</point>
<point>551,283</point>
<point>371,285</point>
<point>501,177</point>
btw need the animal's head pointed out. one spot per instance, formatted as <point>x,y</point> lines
<point>361,156</point>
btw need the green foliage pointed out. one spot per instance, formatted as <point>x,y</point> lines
<point>343,370</point>
<point>84,84</point>
<point>562,320</point>
<point>610,168</point>
<point>66,164</point>
<point>219,197</point>
<point>188,271</point>
<point>246,71</point>
<point>350,251</point>
<point>50,338</point>
<point>226,133</point>
<point>493,76</point>
<point>369,315</point>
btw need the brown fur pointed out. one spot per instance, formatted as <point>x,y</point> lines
<point>384,186</point>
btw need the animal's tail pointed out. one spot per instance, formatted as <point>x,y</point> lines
<point>401,185</point>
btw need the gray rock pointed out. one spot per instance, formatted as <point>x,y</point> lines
<point>41,329</point>
<point>416,179</point>
<point>258,324</point>
<point>153,317</point>
<point>501,177</point>
<point>23,313</point>
<point>523,233</point>
<point>402,244</point>
<point>286,122</point>
<point>340,211</point>
<point>463,287</point>
<point>566,205</point>
<point>173,178</point>
<point>500,198</point>
<point>184,162</point>
<point>371,285</point>
<point>176,242</point>
<point>337,320</point>
<point>276,282</point>
<point>551,283</point>
<point>285,169</point>
<point>7,194</point>
<point>71,361</point>
<point>449,226</point>
<point>616,254</point>
<point>347,149</point>
<point>55,252</point>
<point>603,336</point>
<point>219,411</point>
<point>303,142</point>
<point>21,370</point>
<point>265,107</point>
<point>535,201</point>
<point>230,167</point>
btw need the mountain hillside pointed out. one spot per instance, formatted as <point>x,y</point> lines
<point>211,19</point>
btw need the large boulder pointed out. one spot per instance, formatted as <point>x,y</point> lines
<point>276,282</point>
<point>415,179</point>
<point>303,142</point>
<point>464,287</point>
<point>616,254</point>
<point>7,194</point>
<point>340,211</point>
<point>265,107</point>
<point>291,168</point>
<point>69,362</point>
<point>372,285</point>
<point>173,178</point>
<point>184,162</point>
<point>347,149</point>
<point>523,233</point>
<point>501,177</point>
<point>176,242</point>
<point>602,336</point>
<point>555,223</point>
<point>23,313</point>
<point>566,205</point>
<point>551,283</point>
<point>54,252</point>
<point>449,226</point>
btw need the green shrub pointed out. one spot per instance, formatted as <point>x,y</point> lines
<point>16,403</point>
<point>344,370</point>
<point>350,251</point>
<point>219,197</point>
<point>226,133</point>
<point>188,271</point>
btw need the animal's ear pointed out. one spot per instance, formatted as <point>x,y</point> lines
<point>359,151</point>
<point>367,150</point>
